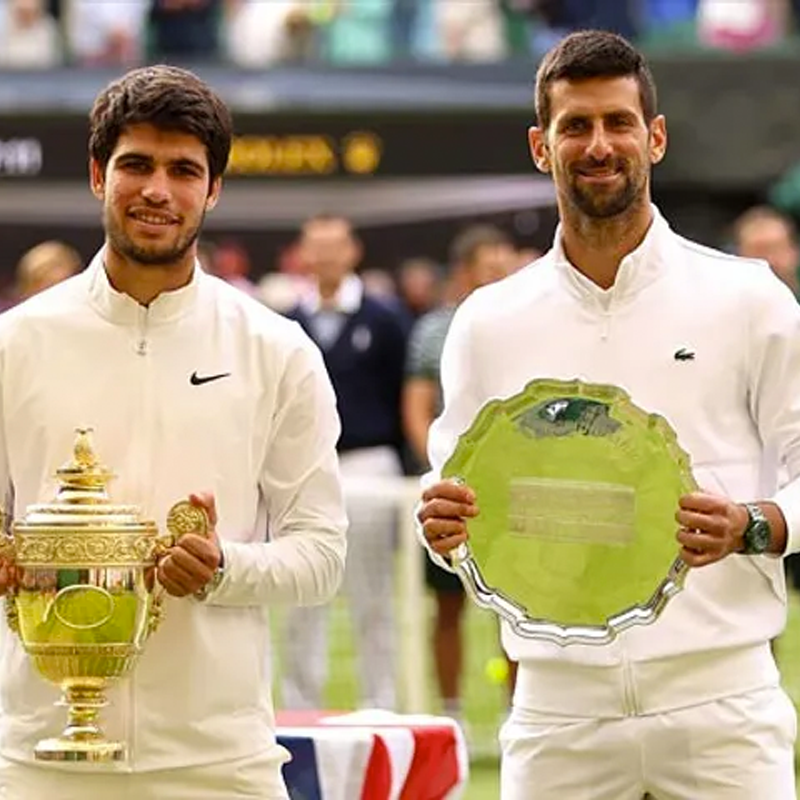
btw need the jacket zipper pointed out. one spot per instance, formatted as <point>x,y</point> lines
<point>143,427</point>
<point>605,328</point>
<point>607,311</point>
<point>141,331</point>
<point>630,697</point>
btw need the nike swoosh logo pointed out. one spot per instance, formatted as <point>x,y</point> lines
<point>199,380</point>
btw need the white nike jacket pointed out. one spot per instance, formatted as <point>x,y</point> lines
<point>261,436</point>
<point>735,407</point>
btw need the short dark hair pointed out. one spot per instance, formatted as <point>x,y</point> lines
<point>759,214</point>
<point>464,248</point>
<point>171,99</point>
<point>593,54</point>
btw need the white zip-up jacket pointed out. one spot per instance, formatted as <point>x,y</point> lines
<point>732,406</point>
<point>262,439</point>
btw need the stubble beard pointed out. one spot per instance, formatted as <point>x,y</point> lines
<point>601,205</point>
<point>149,256</point>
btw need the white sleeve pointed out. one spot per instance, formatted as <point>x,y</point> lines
<point>303,563</point>
<point>461,402</point>
<point>774,371</point>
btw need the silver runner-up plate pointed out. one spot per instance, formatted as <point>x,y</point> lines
<point>577,489</point>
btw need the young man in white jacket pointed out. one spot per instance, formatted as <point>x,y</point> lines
<point>689,707</point>
<point>192,389</point>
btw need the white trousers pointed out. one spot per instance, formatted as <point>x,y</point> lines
<point>736,748</point>
<point>251,778</point>
<point>369,588</point>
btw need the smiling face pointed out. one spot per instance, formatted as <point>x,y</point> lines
<point>155,192</point>
<point>598,146</point>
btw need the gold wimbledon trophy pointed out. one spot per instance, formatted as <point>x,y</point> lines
<point>85,600</point>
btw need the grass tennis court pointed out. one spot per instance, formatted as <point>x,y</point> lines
<point>484,698</point>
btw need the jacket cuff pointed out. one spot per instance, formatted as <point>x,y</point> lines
<point>788,501</point>
<point>217,582</point>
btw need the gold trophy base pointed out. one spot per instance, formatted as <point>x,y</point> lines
<point>82,740</point>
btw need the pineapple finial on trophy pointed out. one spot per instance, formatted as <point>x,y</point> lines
<point>83,452</point>
<point>84,478</point>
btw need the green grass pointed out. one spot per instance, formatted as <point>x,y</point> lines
<point>484,699</point>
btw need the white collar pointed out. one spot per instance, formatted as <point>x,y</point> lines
<point>121,308</point>
<point>347,300</point>
<point>636,270</point>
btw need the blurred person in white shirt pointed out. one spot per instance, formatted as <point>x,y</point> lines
<point>105,33</point>
<point>29,36</point>
<point>470,31</point>
<point>257,34</point>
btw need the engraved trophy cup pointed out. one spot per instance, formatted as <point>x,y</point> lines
<point>578,488</point>
<point>85,599</point>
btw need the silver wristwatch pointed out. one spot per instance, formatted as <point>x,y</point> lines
<point>216,579</point>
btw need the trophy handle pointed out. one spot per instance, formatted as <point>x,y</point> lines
<point>182,518</point>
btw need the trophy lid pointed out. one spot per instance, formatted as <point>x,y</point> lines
<point>81,498</point>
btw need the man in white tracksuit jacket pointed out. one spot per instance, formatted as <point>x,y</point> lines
<point>689,708</point>
<point>192,389</point>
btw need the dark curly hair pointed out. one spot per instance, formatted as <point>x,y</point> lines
<point>169,98</point>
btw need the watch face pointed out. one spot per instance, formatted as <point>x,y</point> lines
<point>757,536</point>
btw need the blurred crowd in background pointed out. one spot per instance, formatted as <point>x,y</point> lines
<point>41,34</point>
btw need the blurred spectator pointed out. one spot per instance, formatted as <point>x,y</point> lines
<point>424,42</point>
<point>419,285</point>
<point>379,283</point>
<point>259,33</point>
<point>279,291</point>
<point>29,36</point>
<point>763,232</point>
<point>479,255</point>
<point>186,30</point>
<point>284,289</point>
<point>404,21</point>
<point>744,24</point>
<point>551,20</point>
<point>231,262</point>
<point>44,266</point>
<point>471,31</point>
<point>105,34</point>
<point>363,344</point>
<point>670,20</point>
<point>355,31</point>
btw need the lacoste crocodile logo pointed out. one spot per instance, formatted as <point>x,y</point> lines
<point>199,380</point>
<point>684,355</point>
